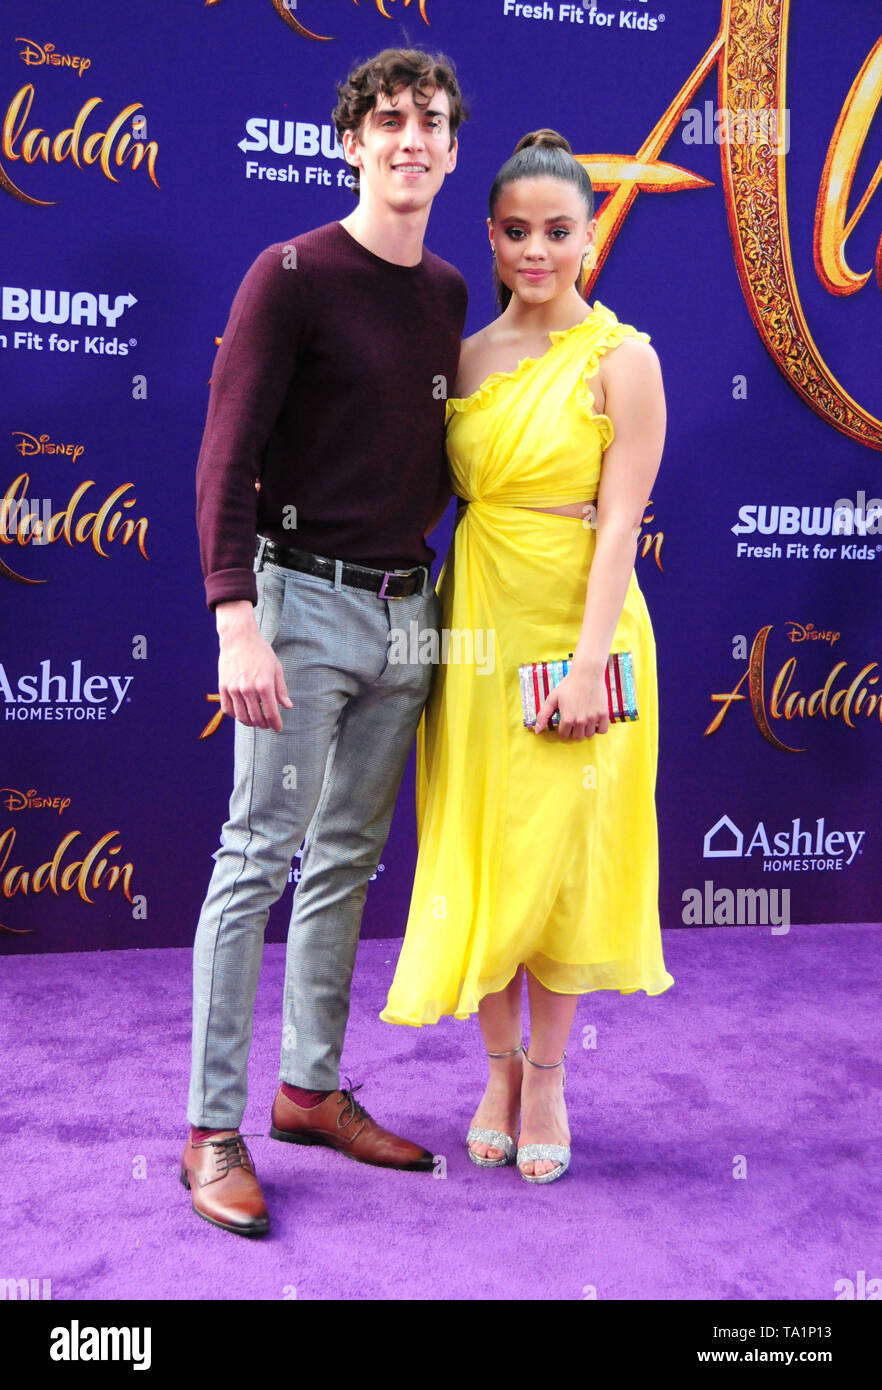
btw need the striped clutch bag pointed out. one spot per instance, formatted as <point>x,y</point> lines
<point>539,677</point>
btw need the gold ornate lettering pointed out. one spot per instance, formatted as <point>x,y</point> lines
<point>90,526</point>
<point>81,875</point>
<point>750,52</point>
<point>752,75</point>
<point>292,22</point>
<point>831,230</point>
<point>97,148</point>
<point>787,704</point>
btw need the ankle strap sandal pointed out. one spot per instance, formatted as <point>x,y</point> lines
<point>493,1138</point>
<point>555,1153</point>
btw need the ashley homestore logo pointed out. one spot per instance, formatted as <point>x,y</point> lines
<point>809,846</point>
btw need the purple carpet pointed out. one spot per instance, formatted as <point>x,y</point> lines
<point>764,1058</point>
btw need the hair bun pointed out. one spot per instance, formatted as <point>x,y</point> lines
<point>551,139</point>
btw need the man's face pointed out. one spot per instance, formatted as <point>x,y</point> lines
<point>403,151</point>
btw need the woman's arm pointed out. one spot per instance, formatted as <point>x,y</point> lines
<point>635,403</point>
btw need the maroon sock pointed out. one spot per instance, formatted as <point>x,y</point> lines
<point>305,1099</point>
<point>198,1135</point>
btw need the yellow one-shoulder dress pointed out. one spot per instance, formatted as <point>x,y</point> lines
<point>532,848</point>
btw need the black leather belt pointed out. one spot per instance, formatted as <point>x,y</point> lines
<point>384,583</point>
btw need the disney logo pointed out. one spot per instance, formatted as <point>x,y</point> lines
<point>797,632</point>
<point>15,800</point>
<point>42,444</point>
<point>35,55</point>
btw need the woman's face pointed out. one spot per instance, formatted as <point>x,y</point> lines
<point>540,231</point>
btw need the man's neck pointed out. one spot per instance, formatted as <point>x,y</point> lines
<point>391,235</point>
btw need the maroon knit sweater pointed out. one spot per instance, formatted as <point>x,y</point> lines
<point>329,388</point>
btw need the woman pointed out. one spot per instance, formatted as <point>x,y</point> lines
<point>538,851</point>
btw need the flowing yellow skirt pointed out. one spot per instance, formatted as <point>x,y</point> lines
<point>532,848</point>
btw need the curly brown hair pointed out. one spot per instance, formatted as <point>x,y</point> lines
<point>386,74</point>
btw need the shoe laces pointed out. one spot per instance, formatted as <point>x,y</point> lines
<point>232,1152</point>
<point>349,1106</point>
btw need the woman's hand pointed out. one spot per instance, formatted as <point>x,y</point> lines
<point>584,707</point>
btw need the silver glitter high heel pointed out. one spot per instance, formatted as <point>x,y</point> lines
<point>557,1153</point>
<point>493,1138</point>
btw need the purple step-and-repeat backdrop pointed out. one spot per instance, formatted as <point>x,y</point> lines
<point>149,152</point>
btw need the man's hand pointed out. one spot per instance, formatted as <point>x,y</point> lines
<point>250,677</point>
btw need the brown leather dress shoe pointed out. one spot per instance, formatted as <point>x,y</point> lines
<point>339,1122</point>
<point>220,1174</point>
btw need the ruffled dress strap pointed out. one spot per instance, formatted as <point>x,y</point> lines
<point>600,330</point>
<point>611,334</point>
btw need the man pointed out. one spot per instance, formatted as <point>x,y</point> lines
<point>323,445</point>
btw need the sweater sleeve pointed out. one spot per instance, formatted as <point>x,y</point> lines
<point>252,371</point>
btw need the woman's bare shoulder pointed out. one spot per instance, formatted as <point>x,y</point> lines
<point>473,357</point>
<point>631,355</point>
<point>478,341</point>
<point>632,363</point>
